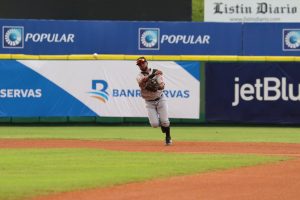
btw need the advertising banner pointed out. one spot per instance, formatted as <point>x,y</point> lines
<point>276,39</point>
<point>253,92</point>
<point>92,88</point>
<point>251,11</point>
<point>119,37</point>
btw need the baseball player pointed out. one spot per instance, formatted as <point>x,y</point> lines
<point>151,83</point>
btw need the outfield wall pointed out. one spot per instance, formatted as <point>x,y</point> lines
<point>253,92</point>
<point>104,88</point>
<point>61,37</point>
<point>230,89</point>
<point>23,42</point>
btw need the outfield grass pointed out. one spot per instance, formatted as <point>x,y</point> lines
<point>25,173</point>
<point>213,134</point>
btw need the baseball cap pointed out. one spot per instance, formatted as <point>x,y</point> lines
<point>140,60</point>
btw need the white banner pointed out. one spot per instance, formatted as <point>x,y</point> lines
<point>251,11</point>
<point>109,88</point>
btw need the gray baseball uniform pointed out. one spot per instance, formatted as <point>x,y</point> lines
<point>156,104</point>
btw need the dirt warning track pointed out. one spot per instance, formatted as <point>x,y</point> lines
<point>155,146</point>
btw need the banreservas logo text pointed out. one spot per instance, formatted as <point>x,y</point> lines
<point>20,93</point>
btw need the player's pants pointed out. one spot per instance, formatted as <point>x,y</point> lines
<point>158,112</point>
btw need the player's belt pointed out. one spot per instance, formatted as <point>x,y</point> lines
<point>158,98</point>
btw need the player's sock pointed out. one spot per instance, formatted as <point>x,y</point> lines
<point>167,129</point>
<point>163,129</point>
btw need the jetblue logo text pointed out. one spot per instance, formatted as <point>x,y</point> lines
<point>12,37</point>
<point>291,39</point>
<point>267,89</point>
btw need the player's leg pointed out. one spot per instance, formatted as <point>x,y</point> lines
<point>162,110</point>
<point>152,114</point>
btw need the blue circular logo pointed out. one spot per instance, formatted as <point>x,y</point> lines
<point>149,38</point>
<point>13,37</point>
<point>292,39</point>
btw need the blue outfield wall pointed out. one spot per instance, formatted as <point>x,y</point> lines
<point>279,39</point>
<point>119,37</point>
<point>40,37</point>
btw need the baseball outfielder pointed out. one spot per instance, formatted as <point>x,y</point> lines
<point>151,83</point>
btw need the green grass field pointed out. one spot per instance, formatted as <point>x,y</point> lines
<point>212,134</point>
<point>25,173</point>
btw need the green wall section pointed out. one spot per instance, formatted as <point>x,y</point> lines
<point>88,120</point>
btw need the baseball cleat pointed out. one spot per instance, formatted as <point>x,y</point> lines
<point>168,141</point>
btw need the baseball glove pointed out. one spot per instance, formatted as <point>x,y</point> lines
<point>152,85</point>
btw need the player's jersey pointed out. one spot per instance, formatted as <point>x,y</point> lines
<point>146,94</point>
